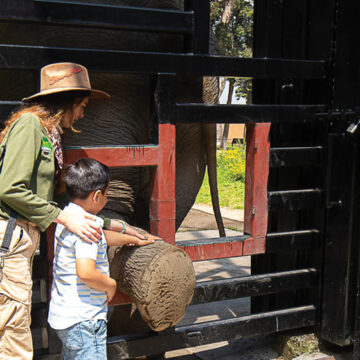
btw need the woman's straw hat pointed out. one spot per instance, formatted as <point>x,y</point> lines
<point>67,76</point>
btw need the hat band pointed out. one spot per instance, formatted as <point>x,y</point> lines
<point>55,79</point>
<point>66,87</point>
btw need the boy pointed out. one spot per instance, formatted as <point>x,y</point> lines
<point>81,286</point>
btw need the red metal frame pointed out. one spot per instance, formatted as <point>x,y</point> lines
<point>256,214</point>
<point>257,171</point>
<point>162,203</point>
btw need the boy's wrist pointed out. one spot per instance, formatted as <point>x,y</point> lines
<point>110,292</point>
<point>111,284</point>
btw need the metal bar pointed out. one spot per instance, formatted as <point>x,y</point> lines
<point>254,285</point>
<point>209,332</point>
<point>295,199</point>
<point>240,114</point>
<point>165,98</point>
<point>356,334</point>
<point>292,240</point>
<point>296,156</point>
<point>162,187</point>
<point>6,107</point>
<point>50,233</point>
<point>162,184</point>
<point>214,248</point>
<point>339,114</point>
<point>338,280</point>
<point>356,350</point>
<point>10,104</point>
<point>257,170</point>
<point>74,13</point>
<point>40,268</point>
<point>35,57</point>
<point>114,156</point>
<point>39,313</point>
<point>199,43</point>
<point>219,113</point>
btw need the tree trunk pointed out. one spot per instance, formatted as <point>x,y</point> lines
<point>225,19</point>
<point>226,15</point>
<point>222,85</point>
<point>159,278</point>
<point>227,126</point>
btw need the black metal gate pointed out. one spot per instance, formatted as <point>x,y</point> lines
<point>313,207</point>
<point>306,80</point>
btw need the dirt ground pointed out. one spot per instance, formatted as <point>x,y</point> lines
<point>201,220</point>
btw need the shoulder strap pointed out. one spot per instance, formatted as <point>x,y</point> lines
<point>8,232</point>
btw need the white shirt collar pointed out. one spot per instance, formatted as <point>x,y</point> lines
<point>74,207</point>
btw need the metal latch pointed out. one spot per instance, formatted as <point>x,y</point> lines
<point>353,127</point>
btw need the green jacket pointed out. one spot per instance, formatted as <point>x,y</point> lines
<point>27,174</point>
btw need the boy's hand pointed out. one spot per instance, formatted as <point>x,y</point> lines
<point>111,291</point>
<point>152,237</point>
<point>131,231</point>
<point>148,239</point>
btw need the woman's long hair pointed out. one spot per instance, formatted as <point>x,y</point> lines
<point>50,109</point>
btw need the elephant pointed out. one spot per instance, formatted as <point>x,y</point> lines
<point>126,118</point>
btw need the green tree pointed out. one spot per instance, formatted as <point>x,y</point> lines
<point>232,23</point>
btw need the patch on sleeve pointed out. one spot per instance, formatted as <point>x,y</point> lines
<point>46,146</point>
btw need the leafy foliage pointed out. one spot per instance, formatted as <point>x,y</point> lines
<point>232,23</point>
<point>232,161</point>
<point>235,37</point>
<point>230,177</point>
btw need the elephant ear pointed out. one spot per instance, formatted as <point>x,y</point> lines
<point>159,278</point>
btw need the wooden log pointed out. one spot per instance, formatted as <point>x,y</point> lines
<point>159,278</point>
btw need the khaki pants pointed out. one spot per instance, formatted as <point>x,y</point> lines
<point>15,292</point>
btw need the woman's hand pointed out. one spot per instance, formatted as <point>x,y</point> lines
<point>80,224</point>
<point>131,231</point>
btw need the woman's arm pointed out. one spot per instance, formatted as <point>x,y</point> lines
<point>23,149</point>
<point>87,272</point>
<point>116,239</point>
<point>117,226</point>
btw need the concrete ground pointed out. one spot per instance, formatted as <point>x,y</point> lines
<point>200,223</point>
<point>201,217</point>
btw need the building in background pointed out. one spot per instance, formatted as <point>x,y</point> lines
<point>236,131</point>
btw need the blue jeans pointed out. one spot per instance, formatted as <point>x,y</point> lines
<point>85,340</point>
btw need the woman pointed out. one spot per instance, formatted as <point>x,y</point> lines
<point>31,168</point>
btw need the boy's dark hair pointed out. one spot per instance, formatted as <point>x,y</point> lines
<point>85,176</point>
